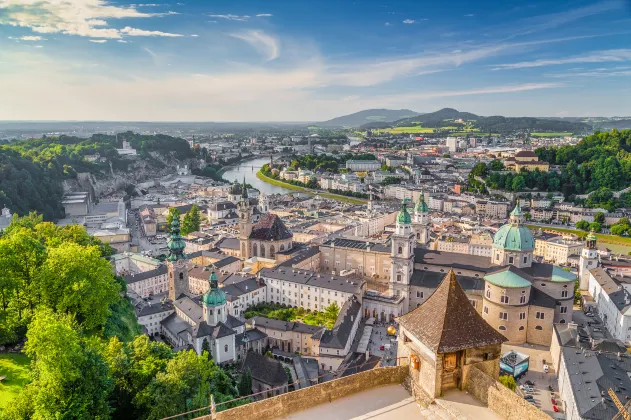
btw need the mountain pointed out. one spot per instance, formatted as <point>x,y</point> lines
<point>369,116</point>
<point>449,117</point>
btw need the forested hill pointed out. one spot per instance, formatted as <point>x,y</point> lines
<point>368,116</point>
<point>32,171</point>
<point>446,117</point>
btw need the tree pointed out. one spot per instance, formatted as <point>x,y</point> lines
<point>187,224</point>
<point>496,165</point>
<point>595,226</point>
<point>480,169</point>
<point>206,348</point>
<point>599,217</point>
<point>583,225</point>
<point>518,183</point>
<point>508,381</point>
<point>527,216</point>
<point>173,212</point>
<point>245,383</point>
<point>195,218</point>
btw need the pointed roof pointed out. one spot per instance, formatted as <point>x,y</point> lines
<point>270,228</point>
<point>421,206</point>
<point>447,322</point>
<point>175,243</point>
<point>404,217</point>
<point>244,190</point>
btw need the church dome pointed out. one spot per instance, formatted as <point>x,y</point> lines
<point>214,296</point>
<point>403,217</point>
<point>513,236</point>
<point>421,206</point>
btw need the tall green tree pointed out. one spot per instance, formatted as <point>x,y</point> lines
<point>173,212</point>
<point>599,217</point>
<point>187,225</point>
<point>196,219</point>
<point>245,383</point>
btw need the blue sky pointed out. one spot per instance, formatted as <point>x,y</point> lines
<point>296,60</point>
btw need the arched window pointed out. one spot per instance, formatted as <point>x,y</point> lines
<point>418,235</point>
<point>501,328</point>
<point>272,251</point>
<point>400,250</point>
<point>255,251</point>
<point>282,247</point>
<point>539,327</point>
<point>521,328</point>
<point>262,251</point>
<point>225,348</point>
<point>181,276</point>
<point>562,321</point>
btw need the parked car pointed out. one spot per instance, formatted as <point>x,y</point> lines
<point>589,314</point>
<point>529,397</point>
<point>527,388</point>
<point>546,368</point>
<point>531,383</point>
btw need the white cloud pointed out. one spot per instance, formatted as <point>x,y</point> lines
<point>477,91</point>
<point>266,45</point>
<point>264,15</point>
<point>140,32</point>
<point>122,41</point>
<point>98,41</point>
<point>387,23</point>
<point>593,57</point>
<point>71,17</point>
<point>194,35</point>
<point>241,18</point>
<point>409,21</point>
<point>32,38</point>
<point>602,72</point>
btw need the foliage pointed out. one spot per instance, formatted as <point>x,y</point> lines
<point>32,171</point>
<point>325,318</point>
<point>599,217</point>
<point>508,381</point>
<point>290,378</point>
<point>173,213</point>
<point>206,348</point>
<point>391,180</point>
<point>583,225</point>
<point>15,366</point>
<point>622,227</point>
<point>595,226</point>
<point>245,383</point>
<point>577,293</point>
<point>496,165</point>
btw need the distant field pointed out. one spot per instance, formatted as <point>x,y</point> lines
<point>405,130</point>
<point>554,134</point>
<point>16,369</point>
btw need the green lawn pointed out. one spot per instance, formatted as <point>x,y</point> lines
<point>554,134</point>
<point>406,130</point>
<point>352,200</point>
<point>16,368</point>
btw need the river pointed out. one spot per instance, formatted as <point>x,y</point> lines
<point>238,172</point>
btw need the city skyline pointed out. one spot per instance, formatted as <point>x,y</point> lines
<point>196,61</point>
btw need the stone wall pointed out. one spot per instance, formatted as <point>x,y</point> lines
<point>506,403</point>
<point>292,402</point>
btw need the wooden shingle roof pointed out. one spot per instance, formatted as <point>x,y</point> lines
<point>447,322</point>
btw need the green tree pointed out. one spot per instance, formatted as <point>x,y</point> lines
<point>206,348</point>
<point>480,169</point>
<point>583,225</point>
<point>76,280</point>
<point>173,212</point>
<point>245,383</point>
<point>595,226</point>
<point>508,381</point>
<point>496,165</point>
<point>196,219</point>
<point>599,217</point>
<point>187,225</point>
<point>518,183</point>
<point>527,216</point>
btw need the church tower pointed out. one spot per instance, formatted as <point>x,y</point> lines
<point>263,203</point>
<point>421,220</point>
<point>245,222</point>
<point>588,260</point>
<point>177,267</point>
<point>214,303</point>
<point>402,256</point>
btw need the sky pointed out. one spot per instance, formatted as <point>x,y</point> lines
<point>299,60</point>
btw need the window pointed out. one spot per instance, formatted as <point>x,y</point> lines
<point>504,315</point>
<point>326,262</point>
<point>504,299</point>
<point>399,277</point>
<point>472,302</point>
<point>522,299</point>
<point>486,310</point>
<point>501,328</point>
<point>539,327</point>
<point>488,293</point>
<point>419,294</point>
<point>510,260</point>
<point>543,285</point>
<point>181,276</point>
<point>563,293</point>
<point>540,315</point>
<point>497,257</point>
<point>225,348</point>
<point>563,309</point>
<point>521,328</point>
<point>522,316</point>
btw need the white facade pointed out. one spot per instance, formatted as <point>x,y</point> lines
<point>362,165</point>
<point>613,301</point>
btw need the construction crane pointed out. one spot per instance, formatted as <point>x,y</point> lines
<point>623,410</point>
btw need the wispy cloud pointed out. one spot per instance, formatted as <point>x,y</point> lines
<point>70,17</point>
<point>151,53</point>
<point>266,45</point>
<point>600,72</point>
<point>194,35</point>
<point>264,15</point>
<point>98,41</point>
<point>140,32</point>
<point>469,15</point>
<point>387,24</point>
<point>122,41</point>
<point>32,38</point>
<point>240,18</point>
<point>593,57</point>
<point>409,21</point>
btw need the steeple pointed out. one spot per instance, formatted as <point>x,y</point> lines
<point>175,243</point>
<point>403,218</point>
<point>214,302</point>
<point>590,240</point>
<point>244,191</point>
<point>516,216</point>
<point>421,206</point>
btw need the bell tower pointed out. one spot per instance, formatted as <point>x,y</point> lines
<point>421,220</point>
<point>588,260</point>
<point>177,267</point>
<point>402,256</point>
<point>245,222</point>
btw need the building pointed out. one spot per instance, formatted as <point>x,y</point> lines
<point>76,204</point>
<point>289,336</point>
<point>556,249</point>
<point>529,161</point>
<point>363,165</point>
<point>268,375</point>
<point>612,298</point>
<point>443,337</point>
<point>452,144</point>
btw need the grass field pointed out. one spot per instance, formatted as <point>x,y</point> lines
<point>617,244</point>
<point>406,130</point>
<point>278,183</point>
<point>555,134</point>
<point>16,369</point>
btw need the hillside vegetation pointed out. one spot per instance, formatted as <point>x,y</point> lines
<point>32,171</point>
<point>368,116</point>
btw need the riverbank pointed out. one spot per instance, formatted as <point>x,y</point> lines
<point>619,244</point>
<point>296,188</point>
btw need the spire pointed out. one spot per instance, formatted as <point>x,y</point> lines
<point>214,296</point>
<point>213,280</point>
<point>175,243</point>
<point>590,240</point>
<point>421,206</point>
<point>404,217</point>
<point>516,216</point>
<point>244,190</point>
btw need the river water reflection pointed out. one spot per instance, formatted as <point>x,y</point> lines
<point>249,169</point>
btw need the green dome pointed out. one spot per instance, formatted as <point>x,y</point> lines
<point>175,243</point>
<point>513,237</point>
<point>560,275</point>
<point>214,296</point>
<point>507,279</point>
<point>404,217</point>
